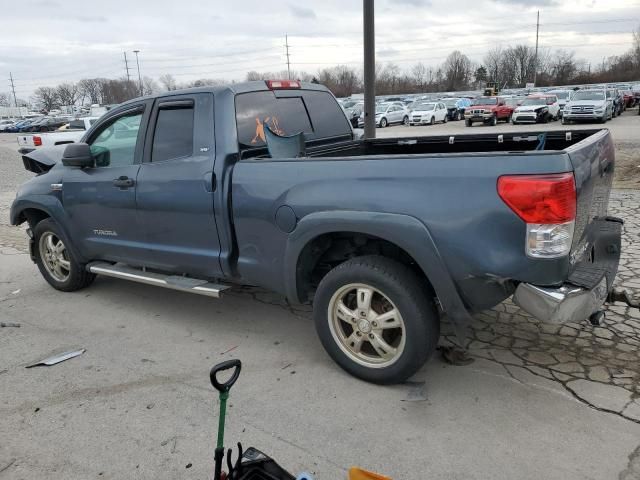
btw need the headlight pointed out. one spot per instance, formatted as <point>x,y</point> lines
<point>487,111</point>
<point>600,110</point>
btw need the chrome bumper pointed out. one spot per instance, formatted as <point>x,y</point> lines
<point>561,305</point>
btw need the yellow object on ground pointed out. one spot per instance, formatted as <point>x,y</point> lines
<point>356,473</point>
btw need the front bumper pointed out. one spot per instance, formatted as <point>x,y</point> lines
<point>588,285</point>
<point>478,117</point>
<point>592,117</point>
<point>528,117</point>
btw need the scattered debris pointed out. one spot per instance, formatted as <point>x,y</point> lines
<point>188,465</point>
<point>230,350</point>
<point>15,292</point>
<point>286,366</point>
<point>9,324</point>
<point>150,406</point>
<point>292,372</point>
<point>456,356</point>
<point>417,392</point>
<point>37,409</point>
<point>61,357</point>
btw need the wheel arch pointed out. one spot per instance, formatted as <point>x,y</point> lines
<point>308,243</point>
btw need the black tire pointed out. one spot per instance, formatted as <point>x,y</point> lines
<point>432,121</point>
<point>405,120</point>
<point>468,123</point>
<point>494,121</point>
<point>408,295</point>
<point>78,277</point>
<point>446,119</point>
<point>459,116</point>
<point>383,122</point>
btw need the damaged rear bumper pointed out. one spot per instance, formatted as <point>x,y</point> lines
<point>561,305</point>
<point>587,287</point>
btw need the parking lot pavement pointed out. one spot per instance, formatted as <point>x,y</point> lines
<point>539,401</point>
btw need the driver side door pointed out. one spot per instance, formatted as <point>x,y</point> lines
<point>101,201</point>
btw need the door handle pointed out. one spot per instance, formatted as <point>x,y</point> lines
<point>124,182</point>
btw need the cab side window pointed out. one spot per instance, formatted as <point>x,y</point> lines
<point>173,136</point>
<point>115,143</point>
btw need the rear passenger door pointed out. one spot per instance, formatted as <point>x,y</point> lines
<point>176,184</point>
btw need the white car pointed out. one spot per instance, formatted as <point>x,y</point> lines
<point>428,113</point>
<point>388,113</point>
<point>537,109</point>
<point>74,133</point>
<point>4,124</point>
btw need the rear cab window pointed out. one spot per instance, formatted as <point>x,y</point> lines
<point>288,112</point>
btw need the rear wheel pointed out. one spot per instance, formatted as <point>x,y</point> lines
<point>459,116</point>
<point>468,123</point>
<point>55,260</point>
<point>375,320</point>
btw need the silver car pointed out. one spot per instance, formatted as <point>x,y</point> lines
<point>388,113</point>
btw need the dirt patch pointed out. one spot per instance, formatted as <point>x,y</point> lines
<point>627,173</point>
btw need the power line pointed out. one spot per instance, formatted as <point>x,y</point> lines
<point>13,89</point>
<point>126,66</point>
<point>286,44</point>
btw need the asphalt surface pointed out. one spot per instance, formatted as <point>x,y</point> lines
<point>539,401</point>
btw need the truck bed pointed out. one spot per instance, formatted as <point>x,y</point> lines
<point>447,183</point>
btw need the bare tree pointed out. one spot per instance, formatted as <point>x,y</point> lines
<point>563,67</point>
<point>149,86</point>
<point>67,93</point>
<point>4,99</point>
<point>168,82</point>
<point>91,89</point>
<point>419,76</point>
<point>523,60</point>
<point>457,70</point>
<point>47,97</point>
<point>635,49</point>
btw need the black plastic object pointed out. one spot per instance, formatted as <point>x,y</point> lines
<point>255,465</point>
<point>226,386</point>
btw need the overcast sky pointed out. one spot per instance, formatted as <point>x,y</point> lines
<point>45,42</point>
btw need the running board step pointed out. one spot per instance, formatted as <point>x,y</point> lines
<point>174,282</point>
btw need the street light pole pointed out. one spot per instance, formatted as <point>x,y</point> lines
<point>139,77</point>
<point>369,69</point>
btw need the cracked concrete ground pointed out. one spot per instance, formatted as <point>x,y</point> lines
<point>539,401</point>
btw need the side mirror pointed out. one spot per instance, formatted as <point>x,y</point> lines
<point>78,155</point>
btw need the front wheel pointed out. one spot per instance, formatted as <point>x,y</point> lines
<point>383,123</point>
<point>405,120</point>
<point>446,119</point>
<point>468,123</point>
<point>432,121</point>
<point>459,116</point>
<point>375,320</point>
<point>494,121</point>
<point>56,262</point>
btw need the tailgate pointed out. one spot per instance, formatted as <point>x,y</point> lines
<point>593,162</point>
<point>25,140</point>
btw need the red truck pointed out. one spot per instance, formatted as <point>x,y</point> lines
<point>487,110</point>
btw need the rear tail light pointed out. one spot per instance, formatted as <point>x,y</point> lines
<point>282,84</point>
<point>547,204</point>
<point>37,141</point>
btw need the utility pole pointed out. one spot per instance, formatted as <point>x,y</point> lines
<point>535,62</point>
<point>369,69</point>
<point>286,44</point>
<point>139,77</point>
<point>126,66</point>
<point>13,89</point>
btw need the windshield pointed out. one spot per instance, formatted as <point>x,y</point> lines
<point>587,95</point>
<point>485,101</point>
<point>534,101</point>
<point>381,108</point>
<point>451,102</point>
<point>349,104</point>
<point>425,106</point>
<point>561,95</point>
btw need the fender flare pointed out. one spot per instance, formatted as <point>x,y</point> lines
<point>405,231</point>
<point>53,208</point>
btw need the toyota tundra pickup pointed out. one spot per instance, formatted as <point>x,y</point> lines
<point>190,190</point>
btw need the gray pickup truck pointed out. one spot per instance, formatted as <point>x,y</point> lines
<point>182,190</point>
